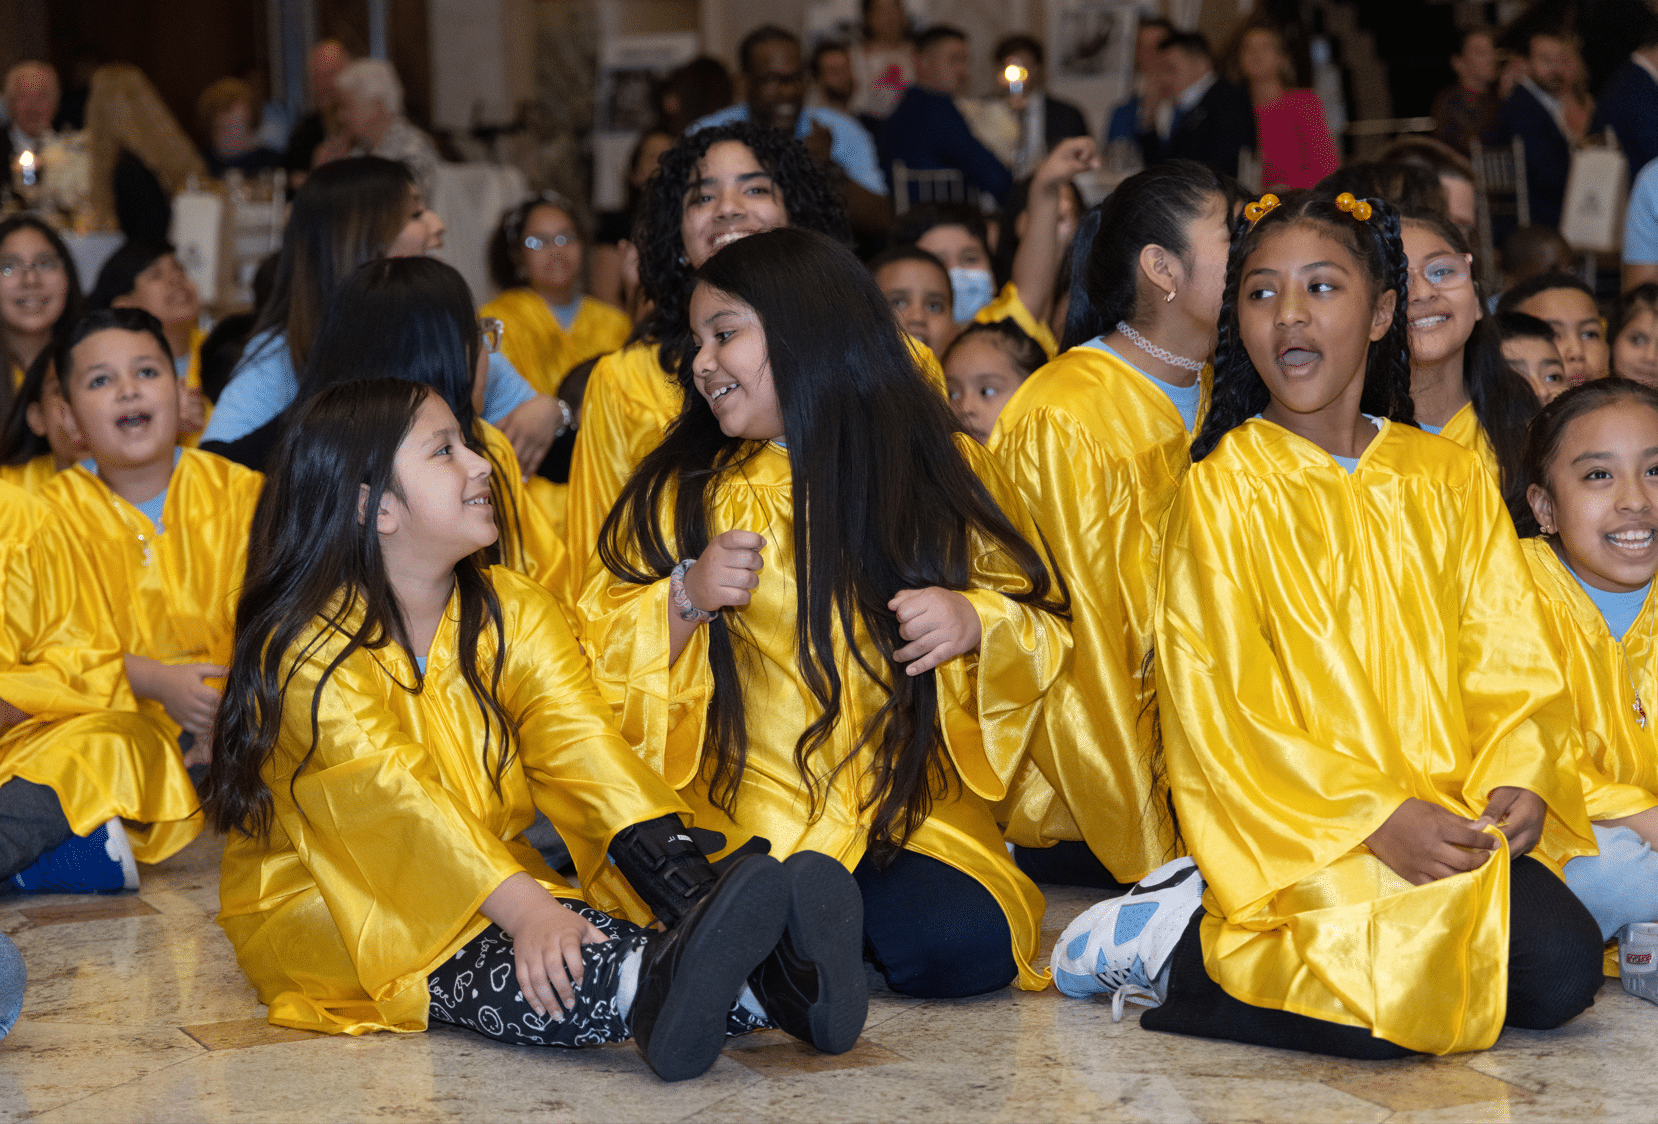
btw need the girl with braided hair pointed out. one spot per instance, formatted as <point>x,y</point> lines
<point>711,188</point>
<point>1371,758</point>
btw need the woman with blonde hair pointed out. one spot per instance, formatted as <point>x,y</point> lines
<point>140,157</point>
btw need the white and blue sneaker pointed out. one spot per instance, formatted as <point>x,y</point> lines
<point>1121,946</point>
<point>100,863</point>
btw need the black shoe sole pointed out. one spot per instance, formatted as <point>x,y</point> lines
<point>738,929</point>
<point>826,926</point>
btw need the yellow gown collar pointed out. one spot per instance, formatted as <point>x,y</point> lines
<point>1269,442</point>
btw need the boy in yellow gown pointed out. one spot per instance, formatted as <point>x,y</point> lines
<point>165,528</point>
<point>1096,442</point>
<point>1363,737</point>
<point>75,757</point>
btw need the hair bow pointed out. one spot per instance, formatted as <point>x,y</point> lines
<point>1358,208</point>
<point>1255,212</point>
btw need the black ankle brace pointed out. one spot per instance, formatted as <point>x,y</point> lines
<point>664,866</point>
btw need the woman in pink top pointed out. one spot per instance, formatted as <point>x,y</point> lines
<point>1295,143</point>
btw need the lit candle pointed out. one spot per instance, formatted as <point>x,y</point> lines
<point>26,164</point>
<point>1015,76</point>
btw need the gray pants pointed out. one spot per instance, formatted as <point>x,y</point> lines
<point>1619,885</point>
<point>31,823</point>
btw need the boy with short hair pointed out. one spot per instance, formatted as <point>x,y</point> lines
<point>1529,349</point>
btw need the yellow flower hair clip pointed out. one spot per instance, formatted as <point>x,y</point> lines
<point>1255,212</point>
<point>1358,208</point>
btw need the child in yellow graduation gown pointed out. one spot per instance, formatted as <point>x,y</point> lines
<point>165,528</point>
<point>1591,530</point>
<point>75,757</point>
<point>822,618</point>
<point>1463,387</point>
<point>428,331</point>
<point>395,714</point>
<point>537,259</point>
<point>1372,759</point>
<point>1096,443</point>
<point>34,445</point>
<point>713,186</point>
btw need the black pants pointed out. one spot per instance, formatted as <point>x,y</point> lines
<point>31,823</point>
<point>933,931</point>
<point>478,988</point>
<point>1554,971</point>
<point>1068,863</point>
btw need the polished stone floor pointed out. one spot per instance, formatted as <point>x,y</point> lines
<point>136,1011</point>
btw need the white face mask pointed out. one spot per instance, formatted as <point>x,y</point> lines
<point>973,289</point>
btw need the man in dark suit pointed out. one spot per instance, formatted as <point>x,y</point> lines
<point>1534,114</point>
<point>1629,103</point>
<point>31,90</point>
<point>1044,120</point>
<point>927,131</point>
<point>1212,120</point>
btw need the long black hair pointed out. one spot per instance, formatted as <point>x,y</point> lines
<point>424,329</point>
<point>1239,393</point>
<point>810,200</point>
<point>1503,400</point>
<point>884,500</point>
<point>73,303</point>
<point>1548,428</point>
<point>312,561</point>
<point>19,443</point>
<point>1149,208</point>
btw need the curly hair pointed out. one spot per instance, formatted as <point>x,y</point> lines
<point>1239,392</point>
<point>809,199</point>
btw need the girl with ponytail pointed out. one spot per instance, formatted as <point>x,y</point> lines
<point>1096,443</point>
<point>1365,744</point>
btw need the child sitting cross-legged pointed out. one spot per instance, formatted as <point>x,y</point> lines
<point>165,528</point>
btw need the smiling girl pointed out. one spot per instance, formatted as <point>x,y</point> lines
<point>822,619</point>
<point>1592,545</point>
<point>1635,339</point>
<point>1363,738</point>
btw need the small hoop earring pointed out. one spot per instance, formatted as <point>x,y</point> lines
<point>1169,297</point>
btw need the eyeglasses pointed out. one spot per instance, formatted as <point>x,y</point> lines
<point>493,332</point>
<point>42,266</point>
<point>1443,273</point>
<point>531,242</point>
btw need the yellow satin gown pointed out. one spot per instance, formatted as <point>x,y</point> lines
<point>530,541</point>
<point>1008,306</point>
<point>172,595</point>
<point>394,833</point>
<point>1097,451</point>
<point>32,474</point>
<point>1465,429</point>
<point>60,664</point>
<point>192,381</point>
<point>541,350</point>
<point>989,701</point>
<point>1329,645</point>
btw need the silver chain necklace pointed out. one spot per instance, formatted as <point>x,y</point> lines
<point>1156,352</point>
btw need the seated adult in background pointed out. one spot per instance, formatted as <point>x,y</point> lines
<point>1138,114</point>
<point>774,76</point>
<point>833,83</point>
<point>1296,147</point>
<point>690,93</point>
<point>139,156</point>
<point>32,101</point>
<point>1535,112</point>
<point>1465,112</point>
<point>883,61</point>
<point>147,275</point>
<point>926,130</point>
<point>227,120</point>
<point>1455,174</point>
<point>1629,101</point>
<point>1044,120</point>
<point>550,326</point>
<point>372,121</point>
<point>349,211</point>
<point>1640,229</point>
<point>322,67</point>
<point>1212,120</point>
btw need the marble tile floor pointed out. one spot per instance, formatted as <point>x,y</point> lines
<point>136,1011</point>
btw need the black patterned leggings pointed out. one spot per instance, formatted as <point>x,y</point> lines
<point>477,988</point>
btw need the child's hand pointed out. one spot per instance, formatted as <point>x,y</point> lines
<point>1069,158</point>
<point>940,624</point>
<point>725,573</point>
<point>10,716</point>
<point>1423,842</point>
<point>1518,814</point>
<point>188,701</point>
<point>532,427</point>
<point>546,941</point>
